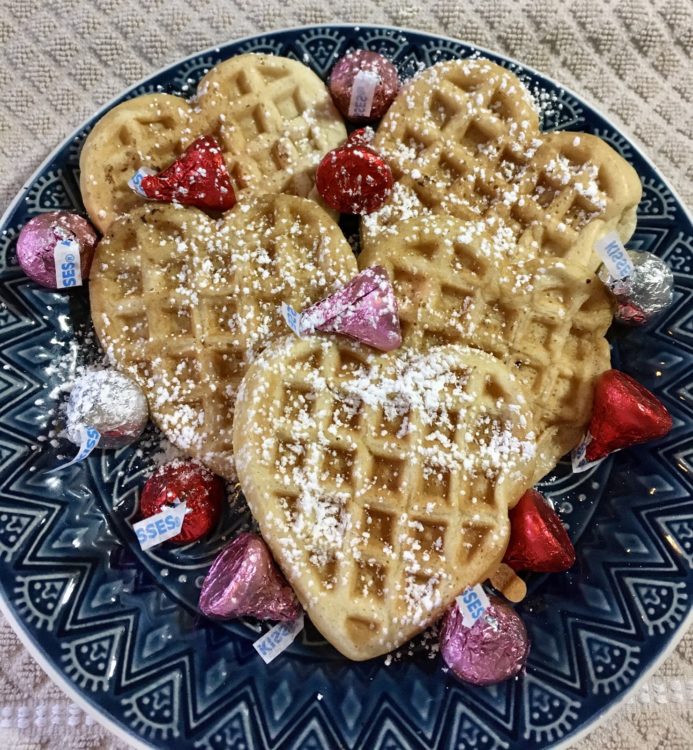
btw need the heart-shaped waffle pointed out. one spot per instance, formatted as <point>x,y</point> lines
<point>273,119</point>
<point>184,303</point>
<point>381,482</point>
<point>545,318</point>
<point>463,139</point>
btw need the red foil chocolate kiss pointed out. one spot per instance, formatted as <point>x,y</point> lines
<point>624,413</point>
<point>538,541</point>
<point>354,179</point>
<point>188,482</point>
<point>197,178</point>
<point>361,137</point>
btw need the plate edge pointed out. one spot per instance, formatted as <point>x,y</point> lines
<point>70,691</point>
<point>27,640</point>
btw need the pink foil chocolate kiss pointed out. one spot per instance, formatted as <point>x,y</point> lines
<point>39,236</point>
<point>494,649</point>
<point>244,581</point>
<point>382,78</point>
<point>365,309</point>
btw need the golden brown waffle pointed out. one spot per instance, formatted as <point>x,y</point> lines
<point>462,139</point>
<point>273,118</point>
<point>381,482</point>
<point>184,303</point>
<point>545,318</point>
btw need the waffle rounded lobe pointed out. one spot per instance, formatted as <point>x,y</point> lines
<point>381,482</point>
<point>463,139</point>
<point>545,318</point>
<point>184,303</point>
<point>272,117</point>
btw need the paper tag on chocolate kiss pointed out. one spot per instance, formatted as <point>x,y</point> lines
<point>292,318</point>
<point>472,603</point>
<point>160,527</point>
<point>614,255</point>
<point>362,93</point>
<point>68,267</point>
<point>278,639</point>
<point>135,182</point>
<point>578,455</point>
<point>89,439</point>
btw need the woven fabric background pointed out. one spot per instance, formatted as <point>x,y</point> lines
<point>62,60</point>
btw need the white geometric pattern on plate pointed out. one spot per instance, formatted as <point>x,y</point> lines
<point>205,676</point>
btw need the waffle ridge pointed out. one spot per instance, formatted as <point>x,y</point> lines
<point>545,318</point>
<point>463,139</point>
<point>184,303</point>
<point>374,516</point>
<point>272,117</point>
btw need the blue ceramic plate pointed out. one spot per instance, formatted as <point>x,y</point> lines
<point>119,629</point>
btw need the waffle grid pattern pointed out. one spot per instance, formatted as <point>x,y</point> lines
<point>274,137</point>
<point>181,303</point>
<point>633,81</point>
<point>417,526</point>
<point>549,328</point>
<point>463,139</point>
<point>151,131</point>
<point>273,119</point>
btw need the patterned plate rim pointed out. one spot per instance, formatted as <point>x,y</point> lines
<point>18,625</point>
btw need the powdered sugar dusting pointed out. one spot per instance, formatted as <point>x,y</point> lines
<point>379,475</point>
<point>463,139</point>
<point>186,305</point>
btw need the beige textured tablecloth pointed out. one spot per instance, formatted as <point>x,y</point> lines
<point>61,60</point>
